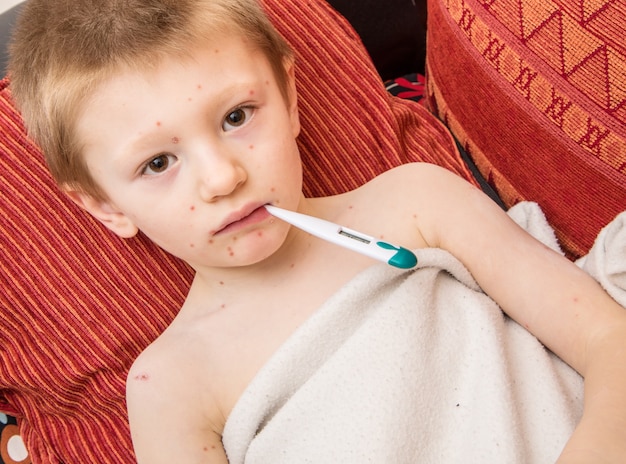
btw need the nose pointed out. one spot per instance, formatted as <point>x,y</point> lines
<point>220,177</point>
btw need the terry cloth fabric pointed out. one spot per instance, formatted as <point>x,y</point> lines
<point>606,261</point>
<point>78,304</point>
<point>409,367</point>
<point>535,92</point>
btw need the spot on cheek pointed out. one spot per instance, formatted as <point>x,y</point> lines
<point>251,92</point>
<point>143,377</point>
<point>259,234</point>
<point>211,242</point>
<point>199,86</point>
<point>158,123</point>
<point>192,245</point>
<point>251,147</point>
<point>273,189</point>
<point>230,251</point>
<point>175,140</point>
<point>192,208</point>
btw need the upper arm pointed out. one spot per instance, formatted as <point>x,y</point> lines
<point>540,289</point>
<point>170,420</point>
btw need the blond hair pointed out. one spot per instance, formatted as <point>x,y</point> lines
<point>62,51</point>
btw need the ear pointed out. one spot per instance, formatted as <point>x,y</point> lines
<point>103,211</point>
<point>292,93</point>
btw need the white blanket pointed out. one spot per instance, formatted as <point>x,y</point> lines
<point>411,367</point>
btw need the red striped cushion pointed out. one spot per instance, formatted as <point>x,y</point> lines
<point>78,304</point>
<point>535,91</point>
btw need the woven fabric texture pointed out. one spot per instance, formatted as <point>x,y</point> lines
<point>79,304</point>
<point>535,90</point>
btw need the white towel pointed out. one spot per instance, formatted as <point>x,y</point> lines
<point>409,367</point>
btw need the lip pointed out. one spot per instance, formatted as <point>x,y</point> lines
<point>246,216</point>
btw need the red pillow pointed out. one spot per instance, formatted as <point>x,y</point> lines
<point>535,92</point>
<point>79,304</point>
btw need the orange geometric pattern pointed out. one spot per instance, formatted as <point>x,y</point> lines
<point>575,74</point>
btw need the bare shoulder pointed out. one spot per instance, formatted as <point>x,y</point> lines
<point>410,203</point>
<point>165,390</point>
<point>417,183</point>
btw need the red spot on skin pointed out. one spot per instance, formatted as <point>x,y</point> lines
<point>350,207</point>
<point>292,265</point>
<point>142,377</point>
<point>235,238</point>
<point>251,147</point>
<point>251,92</point>
<point>273,189</point>
<point>192,245</point>
<point>158,123</point>
<point>230,251</point>
<point>267,82</point>
<point>221,282</point>
<point>199,87</point>
<point>260,234</point>
<point>223,306</point>
<point>192,208</point>
<point>175,140</point>
<point>211,242</point>
<point>189,99</point>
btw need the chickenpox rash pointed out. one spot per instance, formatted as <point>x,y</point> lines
<point>158,123</point>
<point>192,208</point>
<point>142,377</point>
<point>273,189</point>
<point>259,233</point>
<point>210,241</point>
<point>175,140</point>
<point>251,147</point>
<point>251,92</point>
<point>230,251</point>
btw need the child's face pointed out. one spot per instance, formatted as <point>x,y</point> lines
<point>189,153</point>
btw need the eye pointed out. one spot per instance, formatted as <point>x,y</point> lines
<point>237,117</point>
<point>158,164</point>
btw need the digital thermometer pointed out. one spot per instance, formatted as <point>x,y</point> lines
<point>356,241</point>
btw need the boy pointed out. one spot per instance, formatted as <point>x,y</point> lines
<point>179,119</point>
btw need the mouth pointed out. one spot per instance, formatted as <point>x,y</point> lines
<point>245,217</point>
